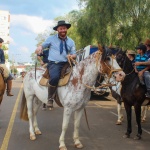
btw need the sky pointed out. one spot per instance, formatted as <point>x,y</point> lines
<point>28,18</point>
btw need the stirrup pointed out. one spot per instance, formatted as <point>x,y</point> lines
<point>50,103</point>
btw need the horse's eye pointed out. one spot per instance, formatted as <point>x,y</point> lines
<point>118,56</point>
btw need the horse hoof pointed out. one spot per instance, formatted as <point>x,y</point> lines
<point>38,132</point>
<point>51,108</point>
<point>32,137</point>
<point>126,136</point>
<point>63,148</point>
<point>138,137</point>
<point>79,146</point>
<point>118,123</point>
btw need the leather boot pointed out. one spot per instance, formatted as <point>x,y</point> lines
<point>9,86</point>
<point>51,95</point>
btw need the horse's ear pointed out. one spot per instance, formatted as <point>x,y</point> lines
<point>100,48</point>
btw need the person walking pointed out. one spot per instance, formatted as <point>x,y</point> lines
<point>61,48</point>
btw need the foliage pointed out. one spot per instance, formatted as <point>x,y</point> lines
<point>124,23</point>
<point>121,22</point>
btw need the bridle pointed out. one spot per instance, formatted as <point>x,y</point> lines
<point>110,68</point>
<point>124,61</point>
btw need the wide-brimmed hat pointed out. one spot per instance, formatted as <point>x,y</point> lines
<point>131,52</point>
<point>147,42</point>
<point>142,47</point>
<point>62,23</point>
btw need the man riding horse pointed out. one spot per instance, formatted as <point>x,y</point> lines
<point>61,48</point>
<point>7,76</point>
<point>146,71</point>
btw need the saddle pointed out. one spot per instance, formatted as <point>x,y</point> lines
<point>64,77</point>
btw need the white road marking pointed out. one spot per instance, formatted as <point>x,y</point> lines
<point>148,132</point>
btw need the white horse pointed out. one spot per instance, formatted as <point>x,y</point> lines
<point>74,96</point>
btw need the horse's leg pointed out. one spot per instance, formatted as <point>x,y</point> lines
<point>120,115</point>
<point>143,113</point>
<point>77,119</point>
<point>36,105</point>
<point>128,109</point>
<point>66,117</point>
<point>30,116</point>
<point>137,109</point>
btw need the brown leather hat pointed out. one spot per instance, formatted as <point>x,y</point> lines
<point>62,23</point>
<point>131,52</point>
<point>147,42</point>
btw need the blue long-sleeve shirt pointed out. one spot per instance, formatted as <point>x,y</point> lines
<point>2,57</point>
<point>53,43</point>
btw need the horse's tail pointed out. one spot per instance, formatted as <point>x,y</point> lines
<point>23,109</point>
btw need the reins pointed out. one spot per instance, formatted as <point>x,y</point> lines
<point>124,66</point>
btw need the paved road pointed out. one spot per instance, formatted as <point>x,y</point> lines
<point>104,134</point>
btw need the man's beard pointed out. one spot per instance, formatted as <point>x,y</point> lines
<point>62,34</point>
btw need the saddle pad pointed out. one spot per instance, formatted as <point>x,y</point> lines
<point>63,81</point>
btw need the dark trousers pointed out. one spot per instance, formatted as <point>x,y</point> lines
<point>55,72</point>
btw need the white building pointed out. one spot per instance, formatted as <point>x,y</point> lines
<point>4,29</point>
<point>4,26</point>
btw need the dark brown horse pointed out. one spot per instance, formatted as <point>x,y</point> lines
<point>132,93</point>
<point>2,85</point>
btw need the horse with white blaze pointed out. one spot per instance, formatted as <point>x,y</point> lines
<point>74,96</point>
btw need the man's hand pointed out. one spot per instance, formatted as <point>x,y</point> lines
<point>140,73</point>
<point>39,50</point>
<point>42,63</point>
<point>138,63</point>
<point>71,56</point>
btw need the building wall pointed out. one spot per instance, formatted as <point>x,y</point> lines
<point>4,26</point>
<point>4,30</point>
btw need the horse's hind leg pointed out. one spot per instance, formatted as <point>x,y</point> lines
<point>30,116</point>
<point>138,120</point>
<point>66,118</point>
<point>36,105</point>
<point>77,119</point>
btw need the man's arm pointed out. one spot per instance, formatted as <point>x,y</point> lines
<point>40,60</point>
<point>147,63</point>
<point>39,49</point>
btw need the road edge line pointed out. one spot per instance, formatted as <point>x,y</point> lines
<point>11,123</point>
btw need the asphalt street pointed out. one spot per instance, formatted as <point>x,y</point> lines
<point>104,134</point>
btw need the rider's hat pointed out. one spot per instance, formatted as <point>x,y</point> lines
<point>147,42</point>
<point>131,52</point>
<point>142,47</point>
<point>62,23</point>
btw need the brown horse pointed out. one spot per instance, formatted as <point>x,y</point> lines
<point>2,84</point>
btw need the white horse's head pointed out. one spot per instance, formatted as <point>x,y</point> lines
<point>109,64</point>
